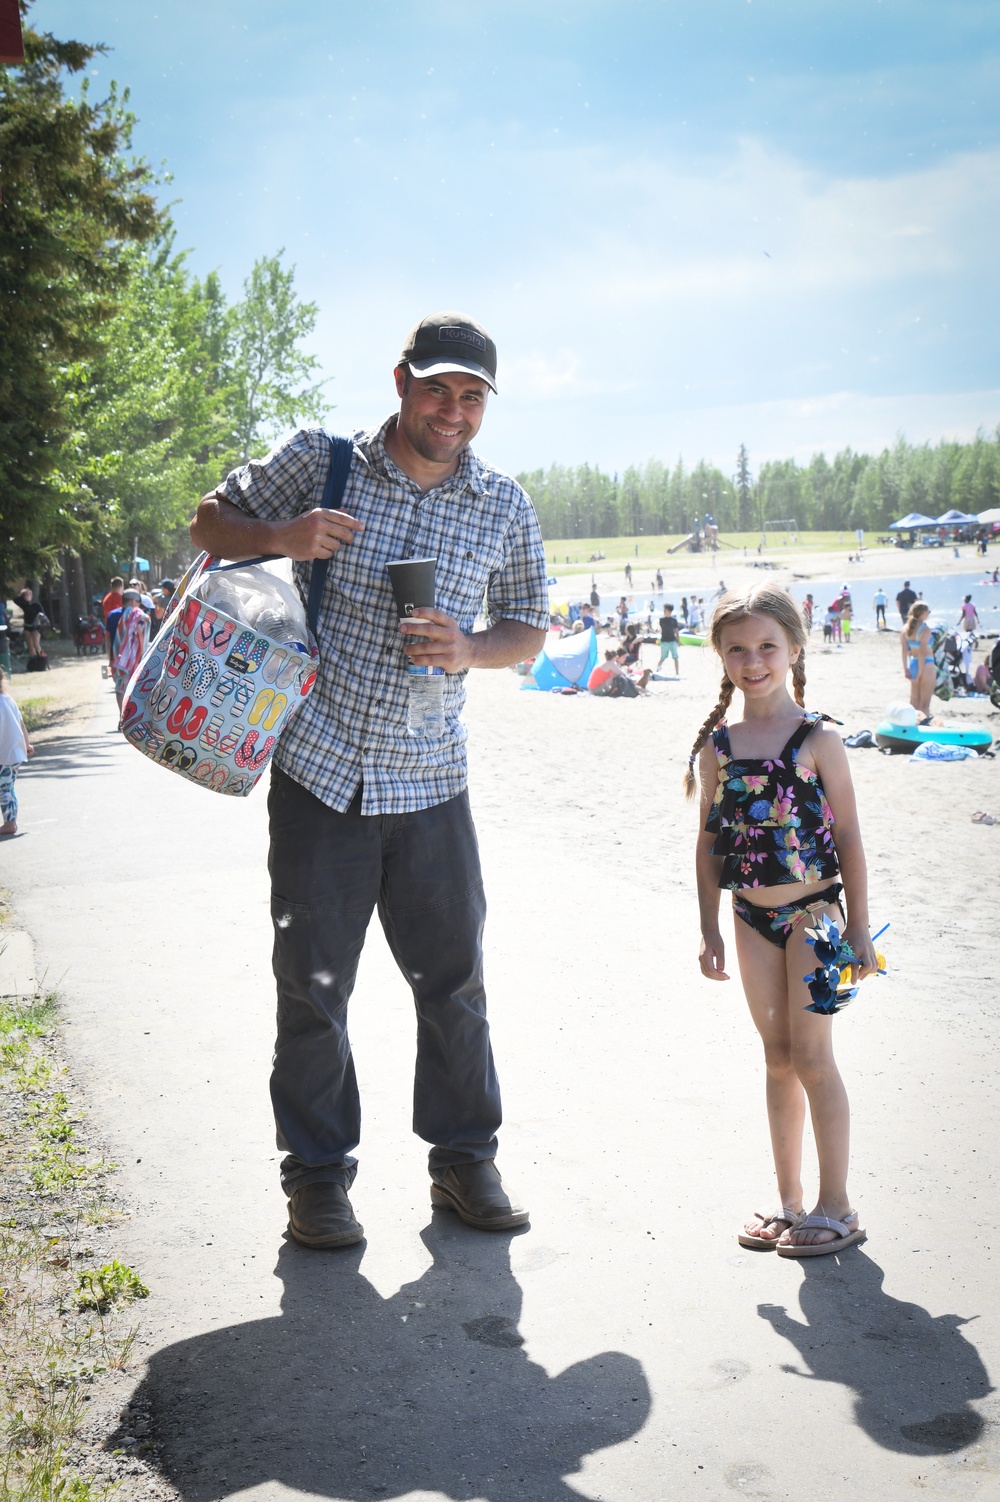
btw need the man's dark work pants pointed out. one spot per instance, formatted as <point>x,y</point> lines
<point>328,872</point>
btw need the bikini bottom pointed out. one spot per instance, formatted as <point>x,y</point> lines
<point>777,924</point>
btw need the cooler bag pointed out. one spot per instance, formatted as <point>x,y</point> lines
<point>230,665</point>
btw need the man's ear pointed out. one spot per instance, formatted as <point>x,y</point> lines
<point>400,373</point>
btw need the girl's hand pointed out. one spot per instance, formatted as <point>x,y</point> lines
<point>712,956</point>
<point>30,749</point>
<point>865,960</point>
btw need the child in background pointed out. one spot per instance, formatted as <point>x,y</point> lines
<point>779,825</point>
<point>15,747</point>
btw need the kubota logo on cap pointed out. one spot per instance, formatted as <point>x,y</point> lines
<point>454,333</point>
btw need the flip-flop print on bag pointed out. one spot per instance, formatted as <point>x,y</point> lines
<point>211,696</point>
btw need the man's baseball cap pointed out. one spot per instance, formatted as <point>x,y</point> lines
<point>446,342</point>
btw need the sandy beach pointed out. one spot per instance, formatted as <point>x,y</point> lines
<point>634,1126</point>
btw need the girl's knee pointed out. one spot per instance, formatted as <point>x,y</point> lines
<point>813,1068</point>
<point>778,1060</point>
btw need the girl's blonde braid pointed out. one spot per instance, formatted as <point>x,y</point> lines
<point>799,679</point>
<point>725,699</point>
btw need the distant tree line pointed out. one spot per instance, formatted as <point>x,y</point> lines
<point>128,386</point>
<point>853,490</point>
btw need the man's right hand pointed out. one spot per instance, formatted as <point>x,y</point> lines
<point>315,534</point>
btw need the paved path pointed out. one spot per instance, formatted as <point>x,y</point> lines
<point>624,1347</point>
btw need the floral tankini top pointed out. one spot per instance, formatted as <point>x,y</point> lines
<point>770,817</point>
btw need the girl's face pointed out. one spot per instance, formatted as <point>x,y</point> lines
<point>757,655</point>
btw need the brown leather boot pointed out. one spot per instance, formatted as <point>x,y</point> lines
<point>320,1215</point>
<point>475,1192</point>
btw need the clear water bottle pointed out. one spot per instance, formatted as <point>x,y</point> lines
<point>425,702</point>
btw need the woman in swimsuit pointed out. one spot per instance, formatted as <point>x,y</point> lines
<point>918,661</point>
<point>780,823</point>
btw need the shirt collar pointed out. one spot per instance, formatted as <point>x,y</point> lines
<point>371,444</point>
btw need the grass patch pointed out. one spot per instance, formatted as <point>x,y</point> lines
<point>34,712</point>
<point>63,1325</point>
<point>649,553</point>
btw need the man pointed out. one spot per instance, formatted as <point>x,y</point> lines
<point>904,600</point>
<point>880,600</point>
<point>113,599</point>
<point>670,630</point>
<point>361,814</point>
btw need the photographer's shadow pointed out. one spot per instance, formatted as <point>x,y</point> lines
<point>350,1395</point>
<point>914,1375</point>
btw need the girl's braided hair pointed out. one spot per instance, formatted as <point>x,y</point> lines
<point>737,605</point>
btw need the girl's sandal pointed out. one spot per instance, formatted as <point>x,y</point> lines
<point>792,1218</point>
<point>848,1232</point>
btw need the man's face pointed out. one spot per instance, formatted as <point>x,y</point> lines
<point>440,415</point>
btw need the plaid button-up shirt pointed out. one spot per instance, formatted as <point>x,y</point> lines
<point>481,527</point>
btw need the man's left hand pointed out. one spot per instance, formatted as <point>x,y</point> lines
<point>446,646</point>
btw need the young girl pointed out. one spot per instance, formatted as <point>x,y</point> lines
<point>918,658</point>
<point>15,747</point>
<point>780,824</point>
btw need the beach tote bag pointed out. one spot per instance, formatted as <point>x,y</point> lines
<point>231,664</point>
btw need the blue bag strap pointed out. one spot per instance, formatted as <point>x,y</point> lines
<point>341,454</point>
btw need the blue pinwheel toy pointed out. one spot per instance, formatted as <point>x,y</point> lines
<point>826,983</point>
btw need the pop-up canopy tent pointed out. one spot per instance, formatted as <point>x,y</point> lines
<point>912,522</point>
<point>992,515</point>
<point>565,664</point>
<point>954,518</point>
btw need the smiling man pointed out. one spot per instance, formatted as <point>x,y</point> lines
<point>364,814</point>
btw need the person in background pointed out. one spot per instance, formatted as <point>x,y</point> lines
<point>684,609</point>
<point>15,748</point>
<point>113,599</point>
<point>131,640</point>
<point>904,600</point>
<point>611,680</point>
<point>918,661</point>
<point>669,632</point>
<point>34,620</point>
<point>808,605</point>
<point>968,618</point>
<point>621,610</point>
<point>694,614</point>
<point>880,601</point>
<point>162,602</point>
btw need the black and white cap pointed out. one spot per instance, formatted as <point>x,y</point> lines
<point>446,342</point>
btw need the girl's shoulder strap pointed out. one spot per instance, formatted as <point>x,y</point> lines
<point>805,729</point>
<point>720,740</point>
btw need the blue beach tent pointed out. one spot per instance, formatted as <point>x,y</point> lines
<point>565,664</point>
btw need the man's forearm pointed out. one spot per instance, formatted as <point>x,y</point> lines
<point>225,531</point>
<point>505,643</point>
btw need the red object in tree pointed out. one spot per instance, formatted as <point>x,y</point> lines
<point>11,42</point>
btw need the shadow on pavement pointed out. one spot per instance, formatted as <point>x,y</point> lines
<point>74,755</point>
<point>353,1396</point>
<point>913,1374</point>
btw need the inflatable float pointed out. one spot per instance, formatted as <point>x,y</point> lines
<point>692,639</point>
<point>893,736</point>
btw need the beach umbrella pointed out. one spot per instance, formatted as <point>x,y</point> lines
<point>993,515</point>
<point>953,518</point>
<point>909,523</point>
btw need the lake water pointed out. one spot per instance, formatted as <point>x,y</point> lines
<point>943,592</point>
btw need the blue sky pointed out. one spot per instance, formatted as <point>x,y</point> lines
<point>687,225</point>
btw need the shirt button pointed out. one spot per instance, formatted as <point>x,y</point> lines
<point>389,647</point>
<point>470,556</point>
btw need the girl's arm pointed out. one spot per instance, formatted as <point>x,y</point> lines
<point>24,731</point>
<point>905,649</point>
<point>708,868</point>
<point>835,773</point>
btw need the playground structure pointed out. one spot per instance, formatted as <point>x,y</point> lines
<point>704,539</point>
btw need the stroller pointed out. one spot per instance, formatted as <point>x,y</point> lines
<point>88,636</point>
<point>953,659</point>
